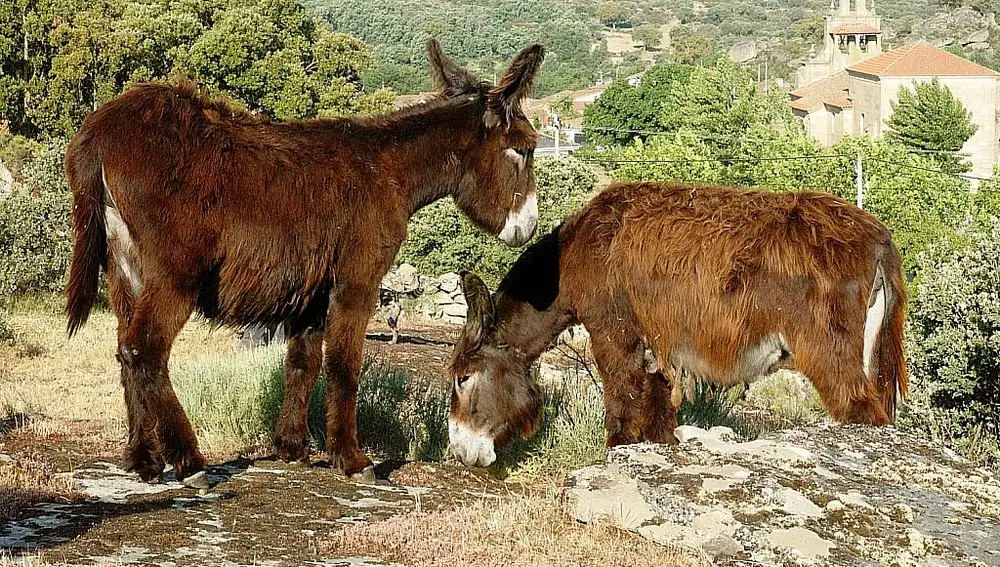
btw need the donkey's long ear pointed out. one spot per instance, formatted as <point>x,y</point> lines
<point>446,75</point>
<point>516,82</point>
<point>481,315</point>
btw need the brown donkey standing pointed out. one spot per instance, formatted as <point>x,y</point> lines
<point>723,284</point>
<point>188,203</point>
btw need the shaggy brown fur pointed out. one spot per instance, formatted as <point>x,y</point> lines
<point>188,203</point>
<point>713,279</point>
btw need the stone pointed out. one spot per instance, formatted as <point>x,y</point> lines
<point>6,181</point>
<point>743,51</point>
<point>686,433</point>
<point>795,503</point>
<point>450,282</point>
<point>454,310</point>
<point>901,513</point>
<point>722,433</point>
<point>605,494</point>
<point>978,46</point>
<point>804,542</point>
<point>759,500</point>
<point>978,36</point>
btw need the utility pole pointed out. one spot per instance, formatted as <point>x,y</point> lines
<point>555,122</point>
<point>860,180</point>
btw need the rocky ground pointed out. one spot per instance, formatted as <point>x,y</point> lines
<point>259,512</point>
<point>821,495</point>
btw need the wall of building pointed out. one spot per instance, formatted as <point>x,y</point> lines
<point>866,93</point>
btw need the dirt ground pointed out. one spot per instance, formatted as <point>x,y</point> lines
<point>259,512</point>
<point>424,347</point>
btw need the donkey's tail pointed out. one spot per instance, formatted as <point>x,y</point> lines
<point>892,376</point>
<point>90,247</point>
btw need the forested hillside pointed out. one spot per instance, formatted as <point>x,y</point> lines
<point>480,34</point>
<point>594,39</point>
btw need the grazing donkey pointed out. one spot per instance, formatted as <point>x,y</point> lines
<point>723,284</point>
<point>188,203</point>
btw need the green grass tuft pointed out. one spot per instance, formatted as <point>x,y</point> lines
<point>233,403</point>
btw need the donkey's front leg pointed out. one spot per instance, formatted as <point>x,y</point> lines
<point>352,307</point>
<point>302,361</point>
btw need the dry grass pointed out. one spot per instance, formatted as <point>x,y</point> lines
<point>505,532</point>
<point>78,379</point>
<point>25,481</point>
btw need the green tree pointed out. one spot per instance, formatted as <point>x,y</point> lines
<point>648,35</point>
<point>929,117</point>
<point>691,48</point>
<point>614,13</point>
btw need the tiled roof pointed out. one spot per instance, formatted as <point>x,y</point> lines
<point>846,29</point>
<point>920,59</point>
<point>840,102</point>
<point>812,96</point>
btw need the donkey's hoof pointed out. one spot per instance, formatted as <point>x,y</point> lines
<point>198,480</point>
<point>367,475</point>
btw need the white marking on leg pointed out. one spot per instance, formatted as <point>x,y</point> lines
<point>521,223</point>
<point>873,324</point>
<point>120,243</point>
<point>473,449</point>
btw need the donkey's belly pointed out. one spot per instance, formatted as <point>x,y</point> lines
<point>745,366</point>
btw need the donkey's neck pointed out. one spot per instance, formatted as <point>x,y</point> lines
<point>425,148</point>
<point>527,331</point>
<point>530,313</point>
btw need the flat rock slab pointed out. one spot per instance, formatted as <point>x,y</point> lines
<point>257,513</point>
<point>822,495</point>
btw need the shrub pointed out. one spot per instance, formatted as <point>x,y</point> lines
<point>35,239</point>
<point>953,343</point>
<point>439,240</point>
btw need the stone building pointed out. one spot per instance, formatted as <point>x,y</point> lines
<point>849,36</point>
<point>858,100</point>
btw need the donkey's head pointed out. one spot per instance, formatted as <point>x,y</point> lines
<point>497,185</point>
<point>494,398</point>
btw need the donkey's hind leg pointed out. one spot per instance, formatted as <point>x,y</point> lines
<point>143,457</point>
<point>302,362</point>
<point>143,349</point>
<point>833,364</point>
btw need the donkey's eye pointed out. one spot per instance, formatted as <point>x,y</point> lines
<point>524,152</point>
<point>461,380</point>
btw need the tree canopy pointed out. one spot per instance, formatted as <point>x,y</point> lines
<point>930,118</point>
<point>60,59</point>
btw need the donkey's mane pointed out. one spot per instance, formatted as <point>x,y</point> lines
<point>219,107</point>
<point>534,277</point>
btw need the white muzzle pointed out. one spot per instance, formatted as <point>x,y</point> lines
<point>473,449</point>
<point>520,226</point>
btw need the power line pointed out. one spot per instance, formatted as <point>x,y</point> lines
<point>733,137</point>
<point>721,159</point>
<point>929,169</point>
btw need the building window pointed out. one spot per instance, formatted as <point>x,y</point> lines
<point>863,131</point>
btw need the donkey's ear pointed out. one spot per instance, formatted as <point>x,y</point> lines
<point>446,75</point>
<point>481,314</point>
<point>516,82</point>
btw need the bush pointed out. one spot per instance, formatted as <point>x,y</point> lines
<point>35,238</point>
<point>439,240</point>
<point>953,343</point>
